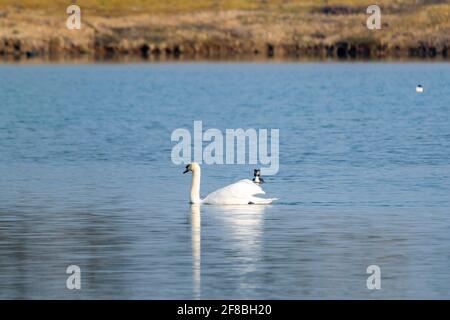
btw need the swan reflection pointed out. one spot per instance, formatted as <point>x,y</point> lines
<point>196,247</point>
<point>242,222</point>
<point>240,228</point>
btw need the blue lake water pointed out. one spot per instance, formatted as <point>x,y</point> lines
<point>86,178</point>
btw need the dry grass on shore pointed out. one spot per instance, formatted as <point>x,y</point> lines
<point>228,27</point>
<point>130,7</point>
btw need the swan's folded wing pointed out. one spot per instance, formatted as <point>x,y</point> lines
<point>244,188</point>
<point>241,190</point>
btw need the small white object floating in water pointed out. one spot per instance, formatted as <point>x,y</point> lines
<point>419,89</point>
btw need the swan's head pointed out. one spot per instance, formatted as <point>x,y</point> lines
<point>194,166</point>
<point>257,172</point>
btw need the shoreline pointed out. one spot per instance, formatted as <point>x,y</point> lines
<point>26,49</point>
<point>134,59</point>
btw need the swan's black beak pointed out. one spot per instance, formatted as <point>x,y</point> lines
<point>186,171</point>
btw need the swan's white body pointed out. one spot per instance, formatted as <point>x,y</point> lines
<point>241,192</point>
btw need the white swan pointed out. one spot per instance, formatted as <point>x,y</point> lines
<point>241,192</point>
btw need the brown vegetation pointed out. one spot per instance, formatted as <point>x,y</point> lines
<point>223,29</point>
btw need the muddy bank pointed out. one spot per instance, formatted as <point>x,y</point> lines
<point>102,47</point>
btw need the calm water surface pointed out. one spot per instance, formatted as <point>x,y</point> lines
<point>86,178</point>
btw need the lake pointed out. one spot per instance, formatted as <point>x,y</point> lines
<point>87,180</point>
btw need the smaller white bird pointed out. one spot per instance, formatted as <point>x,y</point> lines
<point>419,89</point>
<point>241,192</point>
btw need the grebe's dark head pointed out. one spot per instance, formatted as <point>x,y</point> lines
<point>257,179</point>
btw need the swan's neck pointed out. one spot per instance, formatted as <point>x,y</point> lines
<point>195,187</point>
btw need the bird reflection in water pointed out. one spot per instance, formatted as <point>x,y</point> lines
<point>196,248</point>
<point>241,229</point>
